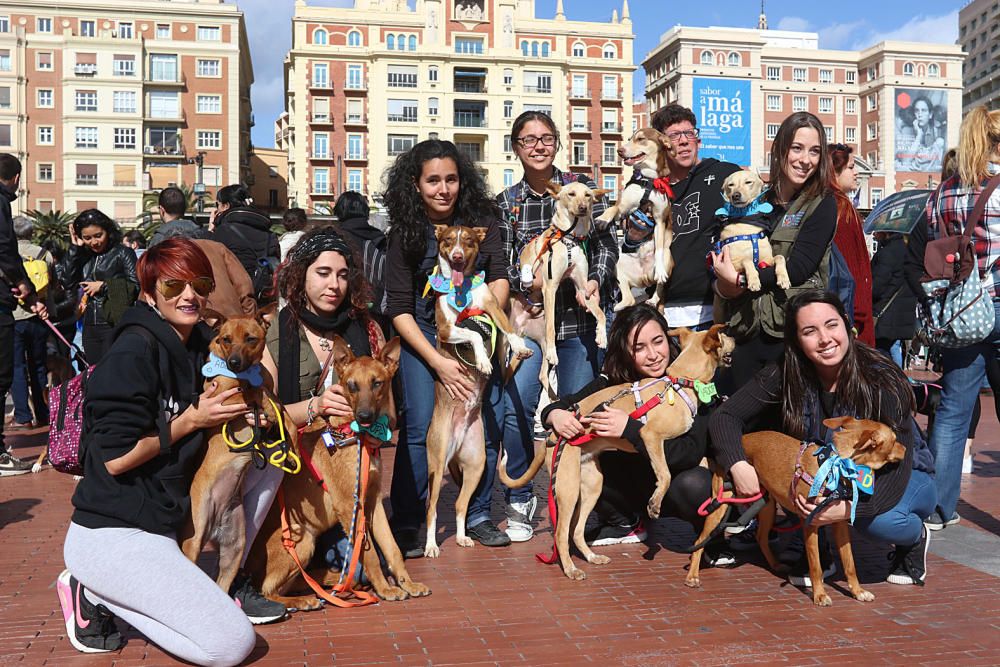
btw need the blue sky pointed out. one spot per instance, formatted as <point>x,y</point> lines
<point>857,24</point>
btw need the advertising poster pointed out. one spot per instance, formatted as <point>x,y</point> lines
<point>722,107</point>
<point>921,129</point>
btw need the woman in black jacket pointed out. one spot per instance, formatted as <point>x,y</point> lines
<point>104,270</point>
<point>894,304</point>
<point>247,233</point>
<point>143,418</point>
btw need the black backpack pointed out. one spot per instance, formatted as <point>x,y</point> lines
<point>264,268</point>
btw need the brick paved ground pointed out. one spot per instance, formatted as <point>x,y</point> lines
<point>499,606</point>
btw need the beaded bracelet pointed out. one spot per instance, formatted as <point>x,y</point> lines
<point>310,412</point>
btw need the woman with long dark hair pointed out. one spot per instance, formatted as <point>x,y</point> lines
<point>826,372</point>
<point>104,269</point>
<point>431,184</point>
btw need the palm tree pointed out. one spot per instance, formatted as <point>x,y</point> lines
<point>51,226</point>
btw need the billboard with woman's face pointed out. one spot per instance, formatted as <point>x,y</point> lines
<point>921,129</point>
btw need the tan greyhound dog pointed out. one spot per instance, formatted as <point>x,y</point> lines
<point>776,457</point>
<point>674,401</point>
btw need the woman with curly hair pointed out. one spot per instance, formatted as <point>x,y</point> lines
<point>433,184</point>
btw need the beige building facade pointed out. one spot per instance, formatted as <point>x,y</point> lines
<point>106,99</point>
<point>269,179</point>
<point>365,84</point>
<point>979,35</point>
<point>897,104</point>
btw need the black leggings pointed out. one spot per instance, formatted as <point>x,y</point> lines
<point>96,340</point>
<point>629,482</point>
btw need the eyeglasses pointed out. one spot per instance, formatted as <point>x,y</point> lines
<point>687,134</point>
<point>530,140</point>
<point>173,287</point>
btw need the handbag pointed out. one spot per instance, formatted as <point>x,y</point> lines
<point>958,311</point>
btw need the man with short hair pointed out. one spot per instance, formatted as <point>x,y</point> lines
<point>14,287</point>
<point>697,186</point>
<point>172,206</point>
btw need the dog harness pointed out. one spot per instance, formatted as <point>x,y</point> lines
<point>839,475</point>
<point>640,217</point>
<point>729,213</point>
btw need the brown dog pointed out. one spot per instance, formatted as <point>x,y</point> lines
<point>775,456</point>
<point>312,511</point>
<point>578,480</point>
<point>217,488</point>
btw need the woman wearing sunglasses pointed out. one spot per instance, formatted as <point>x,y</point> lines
<point>144,417</point>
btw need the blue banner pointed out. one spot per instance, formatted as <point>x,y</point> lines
<point>722,107</point>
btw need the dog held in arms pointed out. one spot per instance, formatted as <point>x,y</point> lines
<point>647,194</point>
<point>313,510</point>
<point>556,255</point>
<point>578,478</point>
<point>455,437</point>
<point>776,458</point>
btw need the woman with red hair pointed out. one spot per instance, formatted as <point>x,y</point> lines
<point>850,239</point>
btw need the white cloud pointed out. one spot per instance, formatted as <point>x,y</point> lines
<point>842,35</point>
<point>861,34</point>
<point>792,23</point>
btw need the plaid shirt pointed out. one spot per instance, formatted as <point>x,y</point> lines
<point>952,204</point>
<point>534,216</point>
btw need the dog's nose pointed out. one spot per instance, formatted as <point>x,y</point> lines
<point>621,151</point>
<point>235,363</point>
<point>365,417</point>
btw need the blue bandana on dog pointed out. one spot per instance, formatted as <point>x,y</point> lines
<point>753,208</point>
<point>216,366</point>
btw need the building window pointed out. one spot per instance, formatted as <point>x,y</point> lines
<point>402,76</point>
<point>164,104</point>
<point>851,135</point>
<point>472,45</point>
<point>798,103</point>
<point>209,67</point>
<point>124,101</point>
<point>162,31</point>
<point>907,69</point>
<point>5,136</point>
<point>46,135</point>
<point>123,65</point>
<point>321,181</point>
<point>609,182</point>
<point>872,72</point>
<point>707,57</point>
<point>432,73</point>
<point>163,67</point>
<point>872,101</point>
<point>735,60</point>
<point>609,120</point>
<point>798,74</point>
<point>353,111</point>
<point>578,50</point>
<point>43,61</point>
<point>826,105</point>
<point>933,70</point>
<point>507,144</point>
<point>45,97</point>
<point>508,178</point>
<point>534,49</point>
<point>319,36</point>
<point>400,143</point>
<point>163,140</point>
<point>354,38</point>
<point>86,174</point>
<point>826,76</point>
<point>88,29</point>
<point>125,30</point>
<point>321,109</point>
<point>540,108</point>
<point>537,82</point>
<point>43,25</point>
<point>579,89</point>
<point>402,111</point>
<point>545,49</point>
<point>321,145</point>
<point>209,139</point>
<point>851,105</point>
<point>773,73</point>
<point>772,130</point>
<point>508,77</point>
<point>354,150</point>
<point>876,196</point>
<point>46,172</point>
<point>390,42</point>
<point>4,60</point>
<point>828,131</point>
<point>321,78</point>
<point>609,88</point>
<point>4,24</point>
<point>872,131</point>
<point>508,108</point>
<point>354,180</point>
<point>413,42</point>
<point>209,33</point>
<point>86,100</point>
<point>579,152</point>
<point>525,49</point>
<point>354,78</point>
<point>86,137</point>
<point>851,76</point>
<point>432,106</point>
<point>774,102</point>
<point>209,104</point>
<point>125,138</point>
<point>610,52</point>
<point>610,153</point>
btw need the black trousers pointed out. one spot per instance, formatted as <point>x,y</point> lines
<point>6,364</point>
<point>629,482</point>
<point>96,340</point>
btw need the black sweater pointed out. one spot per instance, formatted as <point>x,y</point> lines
<point>247,233</point>
<point>11,267</point>
<point>124,395</point>
<point>761,397</point>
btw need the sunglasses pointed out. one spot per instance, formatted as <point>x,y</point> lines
<point>173,287</point>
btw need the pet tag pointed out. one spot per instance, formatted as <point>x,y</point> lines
<point>706,391</point>
<point>527,275</point>
<point>329,441</point>
<point>670,396</point>
<point>866,480</point>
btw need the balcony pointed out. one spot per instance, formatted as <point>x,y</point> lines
<point>166,80</point>
<point>86,180</point>
<point>321,119</point>
<point>320,155</point>
<point>163,150</point>
<point>611,128</point>
<point>355,119</point>
<point>580,95</point>
<point>355,87</point>
<point>576,128</point>
<point>611,96</point>
<point>579,161</point>
<point>356,157</point>
<point>545,90</point>
<point>324,85</point>
<point>470,81</point>
<point>402,118</point>
<point>85,69</point>
<point>469,119</point>
<point>175,116</point>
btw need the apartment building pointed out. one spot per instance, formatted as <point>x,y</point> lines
<point>102,100</point>
<point>979,35</point>
<point>897,104</point>
<point>366,83</point>
<point>269,179</point>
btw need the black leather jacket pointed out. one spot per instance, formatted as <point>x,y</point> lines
<point>82,265</point>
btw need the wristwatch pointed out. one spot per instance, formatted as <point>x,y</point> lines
<point>741,280</point>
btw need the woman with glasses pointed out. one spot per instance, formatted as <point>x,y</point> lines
<point>526,211</point>
<point>144,417</point>
<point>104,270</point>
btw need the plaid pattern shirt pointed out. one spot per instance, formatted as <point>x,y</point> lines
<point>525,215</point>
<point>952,204</point>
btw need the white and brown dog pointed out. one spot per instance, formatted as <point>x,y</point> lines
<point>455,438</point>
<point>744,232</point>
<point>556,255</point>
<point>648,193</point>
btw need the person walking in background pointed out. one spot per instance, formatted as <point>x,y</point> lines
<point>172,205</point>
<point>894,303</point>
<point>849,239</point>
<point>247,233</point>
<point>352,211</point>
<point>294,221</point>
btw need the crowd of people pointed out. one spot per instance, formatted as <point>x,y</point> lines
<point>803,355</point>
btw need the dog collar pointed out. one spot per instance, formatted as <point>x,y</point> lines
<point>753,208</point>
<point>217,367</point>
<point>458,298</point>
<point>841,476</point>
<point>379,429</point>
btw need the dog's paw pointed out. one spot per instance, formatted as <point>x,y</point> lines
<point>653,508</point>
<point>864,596</point>
<point>432,550</point>
<point>36,468</point>
<point>822,600</point>
<point>77,478</point>
<point>465,541</point>
<point>392,594</point>
<point>692,582</point>
<point>601,337</point>
<point>607,217</point>
<point>753,284</point>
<point>484,365</point>
<point>597,559</point>
<point>414,589</point>
<point>576,574</point>
<point>552,357</point>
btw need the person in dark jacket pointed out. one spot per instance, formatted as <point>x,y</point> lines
<point>144,416</point>
<point>104,270</point>
<point>172,204</point>
<point>351,211</point>
<point>894,304</point>
<point>247,232</point>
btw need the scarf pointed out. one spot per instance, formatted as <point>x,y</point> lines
<point>289,344</point>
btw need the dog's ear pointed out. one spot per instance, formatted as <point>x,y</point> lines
<point>342,355</point>
<point>712,340</point>
<point>666,145</point>
<point>838,422</point>
<point>682,334</point>
<point>479,233</point>
<point>439,231</point>
<point>553,188</point>
<point>266,314</point>
<point>213,318</point>
<point>389,355</point>
<point>600,192</point>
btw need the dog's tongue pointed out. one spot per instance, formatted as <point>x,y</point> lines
<point>457,278</point>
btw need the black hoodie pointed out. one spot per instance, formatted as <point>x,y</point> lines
<point>11,269</point>
<point>125,392</point>
<point>247,233</point>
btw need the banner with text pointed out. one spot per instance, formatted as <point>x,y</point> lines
<point>722,107</point>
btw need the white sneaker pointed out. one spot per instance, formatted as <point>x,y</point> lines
<point>967,465</point>
<point>519,516</point>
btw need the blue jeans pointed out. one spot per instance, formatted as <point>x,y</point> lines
<point>964,371</point>
<point>30,336</point>
<point>902,525</point>
<point>892,348</point>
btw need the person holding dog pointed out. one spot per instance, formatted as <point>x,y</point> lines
<point>826,372</point>
<point>433,184</point>
<point>803,221</point>
<point>526,210</point>
<point>144,413</point>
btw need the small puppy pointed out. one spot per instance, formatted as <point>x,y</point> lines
<point>741,218</point>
